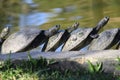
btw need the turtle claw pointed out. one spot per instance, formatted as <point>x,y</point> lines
<point>94,36</point>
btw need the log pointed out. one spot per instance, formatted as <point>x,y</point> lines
<point>72,60</point>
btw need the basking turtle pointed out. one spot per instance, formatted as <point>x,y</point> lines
<point>27,39</point>
<point>3,34</point>
<point>58,39</point>
<point>106,40</point>
<point>83,36</point>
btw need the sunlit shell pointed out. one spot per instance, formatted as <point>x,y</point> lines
<point>54,40</point>
<point>104,40</point>
<point>77,38</point>
<point>19,40</point>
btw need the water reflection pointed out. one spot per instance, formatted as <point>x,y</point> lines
<point>28,1</point>
<point>31,17</point>
<point>116,7</point>
<point>34,19</point>
<point>97,9</point>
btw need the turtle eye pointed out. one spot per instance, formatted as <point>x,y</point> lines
<point>107,18</point>
<point>76,24</point>
<point>58,26</point>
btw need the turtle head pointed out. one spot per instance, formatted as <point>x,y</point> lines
<point>73,27</point>
<point>102,23</point>
<point>5,32</point>
<point>52,31</point>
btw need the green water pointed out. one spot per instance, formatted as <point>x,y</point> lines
<point>91,12</point>
<point>86,12</point>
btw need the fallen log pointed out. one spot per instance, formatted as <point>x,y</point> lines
<point>72,59</point>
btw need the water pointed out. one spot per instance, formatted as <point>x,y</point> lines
<point>86,12</point>
<point>35,19</point>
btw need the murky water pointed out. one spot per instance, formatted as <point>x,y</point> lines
<point>86,12</point>
<point>45,14</point>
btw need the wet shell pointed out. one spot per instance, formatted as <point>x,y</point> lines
<point>54,41</point>
<point>19,40</point>
<point>77,39</point>
<point>27,39</point>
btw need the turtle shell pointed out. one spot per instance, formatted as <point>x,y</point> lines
<point>20,40</point>
<point>58,39</point>
<point>54,41</point>
<point>27,39</point>
<point>105,40</point>
<point>77,39</point>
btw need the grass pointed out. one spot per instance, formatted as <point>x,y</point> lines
<point>39,69</point>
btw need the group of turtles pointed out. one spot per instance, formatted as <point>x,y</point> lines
<point>71,39</point>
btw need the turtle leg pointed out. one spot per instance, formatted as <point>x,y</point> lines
<point>94,36</point>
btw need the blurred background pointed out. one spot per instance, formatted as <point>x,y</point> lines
<point>44,14</point>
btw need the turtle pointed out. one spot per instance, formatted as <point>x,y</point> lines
<point>27,39</point>
<point>81,37</point>
<point>3,34</point>
<point>106,40</point>
<point>58,39</point>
